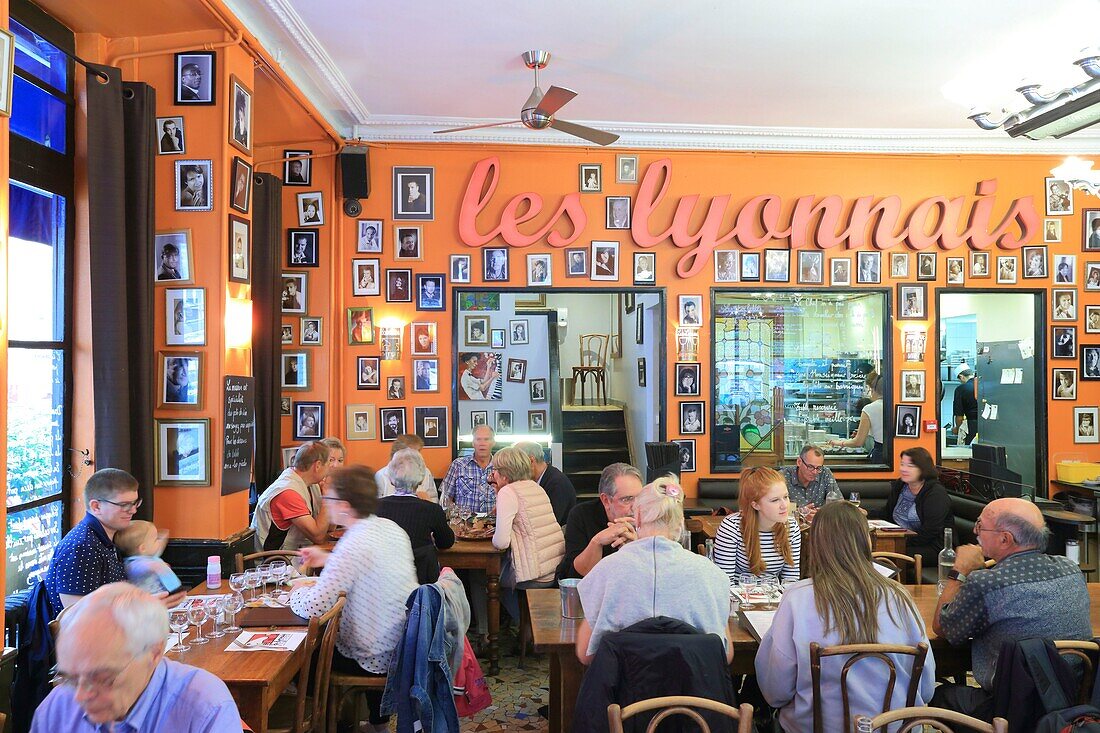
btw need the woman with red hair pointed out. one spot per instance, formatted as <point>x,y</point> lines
<point>762,538</point>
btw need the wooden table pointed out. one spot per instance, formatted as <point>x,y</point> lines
<point>881,541</point>
<point>557,636</point>
<point>255,679</point>
<point>481,555</point>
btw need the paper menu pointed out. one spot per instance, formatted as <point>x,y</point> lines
<point>269,641</point>
<point>883,524</point>
<point>757,623</point>
<point>189,601</point>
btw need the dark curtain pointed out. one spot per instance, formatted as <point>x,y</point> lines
<point>121,149</point>
<point>267,236</point>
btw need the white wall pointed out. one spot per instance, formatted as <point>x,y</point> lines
<point>1000,316</point>
<point>642,404</point>
<point>588,313</point>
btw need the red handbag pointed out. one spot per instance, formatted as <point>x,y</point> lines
<point>471,693</point>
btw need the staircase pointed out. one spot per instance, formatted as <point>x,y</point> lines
<point>594,436</point>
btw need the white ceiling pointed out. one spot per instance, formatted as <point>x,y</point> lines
<point>791,74</point>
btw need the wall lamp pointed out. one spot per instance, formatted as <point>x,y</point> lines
<point>238,323</point>
<point>1079,174</point>
<point>389,331</point>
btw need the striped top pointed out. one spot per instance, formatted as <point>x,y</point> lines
<point>729,550</point>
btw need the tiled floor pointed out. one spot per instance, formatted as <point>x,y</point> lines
<point>517,695</point>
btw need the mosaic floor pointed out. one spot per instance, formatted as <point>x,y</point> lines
<point>517,696</point>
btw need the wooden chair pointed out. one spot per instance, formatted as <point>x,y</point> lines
<point>679,705</point>
<point>55,628</point>
<point>856,653</point>
<point>342,684</point>
<point>701,548</point>
<point>936,719</point>
<point>240,560</point>
<point>594,364</point>
<point>1088,652</point>
<point>893,558</point>
<point>305,712</point>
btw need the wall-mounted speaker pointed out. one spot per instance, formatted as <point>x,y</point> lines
<point>355,173</point>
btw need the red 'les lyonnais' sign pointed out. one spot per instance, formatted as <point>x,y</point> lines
<point>823,223</point>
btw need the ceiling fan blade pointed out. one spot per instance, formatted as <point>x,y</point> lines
<point>585,133</point>
<point>554,99</point>
<point>477,127</point>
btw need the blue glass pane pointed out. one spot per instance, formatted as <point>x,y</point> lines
<point>37,115</point>
<point>39,57</point>
<point>36,259</point>
<point>32,536</point>
<point>36,411</point>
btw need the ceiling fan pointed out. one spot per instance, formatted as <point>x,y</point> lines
<point>538,111</point>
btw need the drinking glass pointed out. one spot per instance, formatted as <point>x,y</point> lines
<point>749,585</point>
<point>234,603</point>
<point>237,582</point>
<point>178,622</point>
<point>853,499</point>
<point>769,586</point>
<point>196,614</point>
<point>252,582</point>
<point>266,576</point>
<point>214,608</point>
<point>279,572</point>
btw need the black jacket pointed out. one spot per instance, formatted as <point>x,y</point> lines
<point>935,514</point>
<point>1015,694</point>
<point>656,657</point>
<point>563,497</point>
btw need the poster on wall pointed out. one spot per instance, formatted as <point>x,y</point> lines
<point>480,376</point>
<point>239,434</point>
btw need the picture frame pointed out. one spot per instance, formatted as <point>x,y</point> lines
<point>1063,304</point>
<point>811,268</point>
<point>240,186</point>
<point>1063,384</point>
<point>172,257</point>
<point>476,330</point>
<point>180,377</point>
<point>840,271</point>
<point>617,212</point>
<point>169,131</point>
<point>366,277</point>
<point>777,265</point>
<point>430,294</point>
<point>530,300</point>
<point>605,261</point>
<point>474,370</point>
<point>913,302</point>
<point>391,423</point>
<point>240,115</point>
<point>494,264</point>
<point>295,293</point>
<point>368,371</point>
<point>956,271</point>
<point>641,371</point>
<point>311,331</point>
<point>590,178</point>
<point>1092,276</point>
<point>726,268</point>
<point>687,379</point>
<point>926,266</point>
<point>298,168</point>
<point>912,385</point>
<point>537,391</point>
<point>288,334</point>
<point>413,193</point>
<point>430,423</point>
<point>517,370</point>
<point>1065,269</point>
<point>1035,262</point>
<point>1064,342</point>
<point>899,265</point>
<point>692,418</point>
<point>576,262</point>
<point>196,78</point>
<point>1007,270</point>
<point>750,266</point>
<point>536,421</point>
<point>1052,229</point>
<point>361,422</point>
<point>368,233</point>
<point>294,371</point>
<point>289,453</point>
<point>302,248</point>
<point>519,332</point>
<point>309,420</point>
<point>645,268</point>
<point>868,268</point>
<point>690,311</point>
<point>687,454</point>
<point>425,375</point>
<point>399,285</point>
<point>239,249</point>
<point>504,422</point>
<point>498,338</point>
<point>460,269</point>
<point>311,209</point>
<point>480,301</point>
<point>478,418</point>
<point>183,451</point>
<point>907,421</point>
<point>185,316</point>
<point>1059,196</point>
<point>1084,424</point>
<point>626,169</point>
<point>360,326</point>
<point>1090,230</point>
<point>1090,363</point>
<point>423,338</point>
<point>1092,319</point>
<point>979,265</point>
<point>284,406</point>
<point>539,274</point>
<point>194,184</point>
<point>408,243</point>
<point>395,388</point>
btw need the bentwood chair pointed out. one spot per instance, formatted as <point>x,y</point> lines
<point>1088,652</point>
<point>679,705</point>
<point>868,653</point>
<point>240,560</point>
<point>936,719</point>
<point>305,711</point>
<point>593,364</point>
<point>899,562</point>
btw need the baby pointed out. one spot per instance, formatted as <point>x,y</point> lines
<point>141,544</point>
<point>140,538</point>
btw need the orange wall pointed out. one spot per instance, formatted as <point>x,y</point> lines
<point>4,295</point>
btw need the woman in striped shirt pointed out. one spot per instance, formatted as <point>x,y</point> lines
<point>763,537</point>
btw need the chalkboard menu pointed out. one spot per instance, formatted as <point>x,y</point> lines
<point>240,420</point>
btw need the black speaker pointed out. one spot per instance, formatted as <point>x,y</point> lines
<point>355,173</point>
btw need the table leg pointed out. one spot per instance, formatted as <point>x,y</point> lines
<point>565,682</point>
<point>493,589</point>
<point>251,706</point>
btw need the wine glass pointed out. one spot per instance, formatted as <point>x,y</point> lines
<point>196,614</point>
<point>279,572</point>
<point>748,583</point>
<point>853,499</point>
<point>234,603</point>
<point>214,608</point>
<point>178,622</point>
<point>237,582</point>
<point>252,582</point>
<point>266,576</point>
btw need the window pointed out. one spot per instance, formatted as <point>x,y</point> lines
<point>791,368</point>
<point>39,301</point>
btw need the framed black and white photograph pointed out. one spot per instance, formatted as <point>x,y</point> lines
<point>1064,384</point>
<point>591,178</point>
<point>361,423</point>
<point>240,249</point>
<point>907,421</point>
<point>301,248</point>
<point>194,185</point>
<point>811,268</point>
<point>429,292</point>
<point>617,212</point>
<point>185,316</point>
<point>1091,235</point>
<point>1065,342</point>
<point>1006,270</point>
<point>1090,363</point>
<point>368,372</point>
<point>537,390</point>
<point>360,326</point>
<point>410,243</point>
<point>691,310</point>
<point>399,286</point>
<point>430,423</point>
<point>1092,276</point>
<point>293,297</point>
<point>395,388</point>
<point>368,236</point>
<point>626,169</point>
<point>477,330</point>
<point>956,271</point>
<point>926,265</point>
<point>240,109</point>
<point>912,385</point>
<point>576,262</point>
<point>979,265</point>
<point>868,268</point>
<point>517,370</point>
<point>172,261</point>
<point>413,193</point>
<point>641,371</point>
<point>645,268</point>
<point>1052,229</point>
<point>181,375</point>
<point>725,267</point>
<point>365,278</point>
<point>1059,197</point>
<point>183,452</point>
<point>899,265</point>
<point>478,418</point>
<point>284,406</point>
<point>460,269</point>
<point>687,379</point>
<point>503,422</point>
<point>240,185</point>
<point>288,453</point>
<point>297,168</point>
<point>309,333</point>
<point>687,454</point>
<point>1065,269</point>
<point>750,266</point>
<point>538,271</point>
<point>423,337</point>
<point>777,265</point>
<point>425,375</point>
<point>295,370</point>
<point>311,210</point>
<point>519,332</point>
<point>288,334</point>
<point>170,136</point>
<point>196,82</point>
<point>912,302</point>
<point>691,418</point>
<point>495,264</point>
<point>840,271</point>
<point>1084,424</point>
<point>605,260</point>
<point>1063,305</point>
<point>309,420</point>
<point>536,421</point>
<point>1092,319</point>
<point>1035,262</point>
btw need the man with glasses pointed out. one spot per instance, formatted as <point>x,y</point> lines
<point>597,528</point>
<point>113,674</point>
<point>809,481</point>
<point>1025,594</point>
<point>290,514</point>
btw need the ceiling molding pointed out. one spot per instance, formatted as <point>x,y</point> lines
<point>396,128</point>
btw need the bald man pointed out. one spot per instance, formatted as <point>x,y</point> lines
<point>1026,594</point>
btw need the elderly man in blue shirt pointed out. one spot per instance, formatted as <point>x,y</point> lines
<point>466,484</point>
<point>114,677</point>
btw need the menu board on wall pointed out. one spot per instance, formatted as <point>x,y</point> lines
<point>240,420</point>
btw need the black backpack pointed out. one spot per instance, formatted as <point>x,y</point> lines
<point>1061,716</point>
